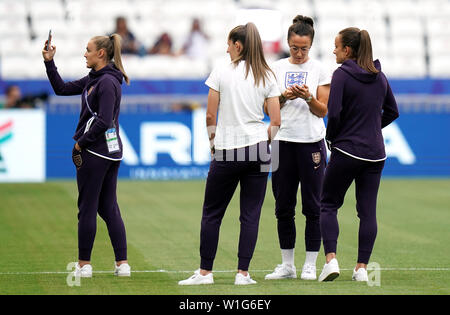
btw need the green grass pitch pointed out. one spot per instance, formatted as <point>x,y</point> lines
<point>38,238</point>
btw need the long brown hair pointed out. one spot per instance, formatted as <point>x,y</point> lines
<point>112,45</point>
<point>252,52</point>
<point>361,45</point>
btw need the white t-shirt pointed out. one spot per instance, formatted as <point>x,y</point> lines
<point>240,118</point>
<point>298,124</point>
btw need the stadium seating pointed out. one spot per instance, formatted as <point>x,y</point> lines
<point>411,37</point>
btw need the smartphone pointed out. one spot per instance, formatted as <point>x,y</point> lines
<point>49,40</point>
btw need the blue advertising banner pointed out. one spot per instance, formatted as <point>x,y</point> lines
<point>175,145</point>
<point>418,144</point>
<point>160,143</point>
<point>152,87</point>
<point>155,146</point>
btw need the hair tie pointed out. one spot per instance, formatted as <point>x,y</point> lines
<point>111,39</point>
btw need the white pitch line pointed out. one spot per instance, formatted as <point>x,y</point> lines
<point>190,271</point>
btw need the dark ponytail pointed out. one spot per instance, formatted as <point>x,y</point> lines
<point>361,45</point>
<point>302,26</point>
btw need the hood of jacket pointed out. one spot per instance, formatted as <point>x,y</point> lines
<point>351,67</point>
<point>108,69</point>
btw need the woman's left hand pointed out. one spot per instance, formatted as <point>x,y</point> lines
<point>77,146</point>
<point>301,91</point>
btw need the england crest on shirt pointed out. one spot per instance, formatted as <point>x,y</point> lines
<point>293,78</point>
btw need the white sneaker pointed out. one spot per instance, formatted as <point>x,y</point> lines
<point>360,275</point>
<point>283,271</point>
<point>124,270</point>
<point>243,280</point>
<point>308,272</point>
<point>83,272</point>
<point>197,279</point>
<point>330,271</point>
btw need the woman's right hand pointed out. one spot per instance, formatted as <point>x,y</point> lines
<point>48,54</point>
<point>289,94</point>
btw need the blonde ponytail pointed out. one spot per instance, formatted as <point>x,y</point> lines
<point>113,46</point>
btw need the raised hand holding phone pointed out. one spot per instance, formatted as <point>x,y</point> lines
<point>49,51</point>
<point>49,40</point>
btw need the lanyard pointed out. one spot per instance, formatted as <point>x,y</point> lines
<point>94,114</point>
<point>87,104</point>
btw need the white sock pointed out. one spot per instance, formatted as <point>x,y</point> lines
<point>311,258</point>
<point>287,256</point>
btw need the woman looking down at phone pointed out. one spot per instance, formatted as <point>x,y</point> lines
<point>305,84</point>
<point>98,148</point>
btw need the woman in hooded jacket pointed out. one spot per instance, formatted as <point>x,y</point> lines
<point>361,103</point>
<point>97,151</point>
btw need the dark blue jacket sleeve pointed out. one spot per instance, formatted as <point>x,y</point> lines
<point>390,109</point>
<point>107,96</point>
<point>335,104</point>
<point>59,86</point>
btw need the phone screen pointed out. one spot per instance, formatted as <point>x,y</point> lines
<point>49,40</point>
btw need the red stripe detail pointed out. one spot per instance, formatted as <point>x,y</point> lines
<point>6,126</point>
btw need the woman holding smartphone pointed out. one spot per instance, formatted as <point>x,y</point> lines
<point>239,146</point>
<point>305,85</point>
<point>97,151</point>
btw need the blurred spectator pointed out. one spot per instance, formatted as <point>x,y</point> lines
<point>129,43</point>
<point>182,107</point>
<point>196,45</point>
<point>14,99</point>
<point>163,46</point>
<point>12,96</point>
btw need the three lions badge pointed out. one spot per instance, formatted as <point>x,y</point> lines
<point>316,159</point>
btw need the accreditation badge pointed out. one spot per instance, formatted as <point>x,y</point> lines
<point>112,141</point>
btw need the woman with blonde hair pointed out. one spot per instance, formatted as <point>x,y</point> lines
<point>239,148</point>
<point>97,151</point>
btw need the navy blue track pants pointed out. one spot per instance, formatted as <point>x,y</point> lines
<point>223,177</point>
<point>97,183</point>
<point>302,163</point>
<point>341,171</point>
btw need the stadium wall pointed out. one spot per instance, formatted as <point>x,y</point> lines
<point>163,144</point>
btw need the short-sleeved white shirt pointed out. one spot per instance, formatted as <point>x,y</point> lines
<point>240,117</point>
<point>298,124</point>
